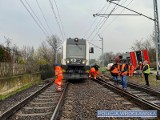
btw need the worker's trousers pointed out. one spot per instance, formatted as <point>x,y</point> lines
<point>124,81</point>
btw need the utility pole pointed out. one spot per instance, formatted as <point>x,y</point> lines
<point>56,46</point>
<point>156,21</point>
<point>157,37</point>
<point>102,51</point>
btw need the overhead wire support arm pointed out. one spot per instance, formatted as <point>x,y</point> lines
<point>94,45</point>
<point>102,15</point>
<point>131,10</point>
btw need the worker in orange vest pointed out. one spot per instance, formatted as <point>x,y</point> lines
<point>123,74</point>
<point>59,77</point>
<point>96,68</point>
<point>114,72</point>
<point>130,69</point>
<point>118,66</point>
<point>92,72</point>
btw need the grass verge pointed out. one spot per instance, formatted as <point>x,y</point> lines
<point>3,97</point>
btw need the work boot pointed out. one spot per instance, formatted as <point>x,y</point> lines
<point>124,88</point>
<point>59,89</point>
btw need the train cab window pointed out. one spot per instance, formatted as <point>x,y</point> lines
<point>76,51</point>
<point>139,56</point>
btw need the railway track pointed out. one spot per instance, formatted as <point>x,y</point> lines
<point>42,104</point>
<point>145,97</point>
<point>84,98</point>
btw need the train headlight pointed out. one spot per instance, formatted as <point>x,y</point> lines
<point>76,39</point>
<point>71,59</point>
<point>67,61</point>
<point>84,62</point>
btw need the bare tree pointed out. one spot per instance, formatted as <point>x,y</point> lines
<point>148,44</point>
<point>45,53</point>
<point>28,54</point>
<point>55,43</point>
<point>8,41</point>
<point>8,44</point>
<point>137,45</point>
<point>108,57</point>
<point>15,53</point>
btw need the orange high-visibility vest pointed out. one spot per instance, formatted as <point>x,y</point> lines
<point>115,70</point>
<point>130,68</point>
<point>92,69</point>
<point>122,68</point>
<point>119,69</point>
<point>58,71</point>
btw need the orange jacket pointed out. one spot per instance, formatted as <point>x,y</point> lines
<point>130,68</point>
<point>119,69</point>
<point>123,71</point>
<point>92,70</point>
<point>115,70</point>
<point>58,71</point>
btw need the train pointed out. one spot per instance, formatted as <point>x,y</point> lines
<point>75,59</point>
<point>135,57</point>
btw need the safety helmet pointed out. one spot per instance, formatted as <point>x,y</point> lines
<point>56,64</point>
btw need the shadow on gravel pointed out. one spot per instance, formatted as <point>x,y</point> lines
<point>77,81</point>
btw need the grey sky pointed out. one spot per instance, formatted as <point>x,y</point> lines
<point>77,17</point>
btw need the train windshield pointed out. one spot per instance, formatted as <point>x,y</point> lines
<point>77,51</point>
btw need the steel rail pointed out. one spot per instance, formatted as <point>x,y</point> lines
<point>141,102</point>
<point>58,107</point>
<point>145,89</point>
<point>142,88</point>
<point>19,105</point>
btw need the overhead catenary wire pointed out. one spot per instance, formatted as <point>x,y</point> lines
<point>86,33</point>
<point>95,45</point>
<point>134,11</point>
<point>36,17</point>
<point>59,17</point>
<point>44,16</point>
<point>99,22</point>
<point>121,12</point>
<point>93,22</point>
<point>33,18</point>
<point>116,17</point>
<point>102,8</point>
<point>106,18</point>
<point>57,21</point>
